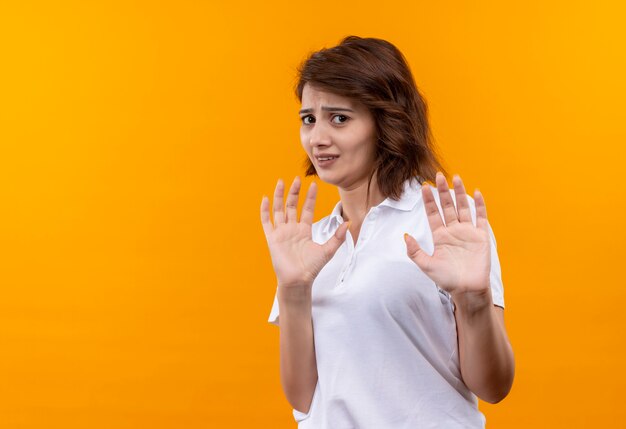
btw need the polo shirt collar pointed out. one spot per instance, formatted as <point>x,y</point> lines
<point>407,201</point>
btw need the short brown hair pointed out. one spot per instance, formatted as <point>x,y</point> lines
<point>375,73</point>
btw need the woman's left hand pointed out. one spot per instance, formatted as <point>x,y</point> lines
<point>461,261</point>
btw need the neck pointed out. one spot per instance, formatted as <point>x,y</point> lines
<point>354,203</point>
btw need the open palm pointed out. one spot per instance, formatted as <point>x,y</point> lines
<point>296,258</point>
<point>461,260</point>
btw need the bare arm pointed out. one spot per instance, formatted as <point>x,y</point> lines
<point>298,368</point>
<point>297,260</point>
<point>461,265</point>
<point>486,356</point>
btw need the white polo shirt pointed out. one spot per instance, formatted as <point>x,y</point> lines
<point>385,334</point>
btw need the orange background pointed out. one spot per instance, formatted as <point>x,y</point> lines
<point>139,137</point>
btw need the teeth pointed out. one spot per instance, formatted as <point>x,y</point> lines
<point>326,159</point>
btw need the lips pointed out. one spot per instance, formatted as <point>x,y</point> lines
<point>321,156</point>
<point>326,163</point>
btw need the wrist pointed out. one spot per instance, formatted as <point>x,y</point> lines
<point>293,295</point>
<point>471,302</point>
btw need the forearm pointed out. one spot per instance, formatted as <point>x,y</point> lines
<point>298,367</point>
<point>486,356</point>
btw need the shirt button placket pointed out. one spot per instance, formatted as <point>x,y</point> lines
<point>367,226</point>
<point>347,266</point>
<point>349,242</point>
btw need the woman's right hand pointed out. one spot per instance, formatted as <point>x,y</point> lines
<point>296,258</point>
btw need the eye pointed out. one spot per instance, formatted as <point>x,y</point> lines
<point>345,118</point>
<point>304,119</point>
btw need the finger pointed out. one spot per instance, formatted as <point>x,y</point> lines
<point>309,205</point>
<point>265,216</point>
<point>481,211</point>
<point>292,201</point>
<point>333,243</point>
<point>415,252</point>
<point>462,204</point>
<point>279,214</point>
<point>447,204</point>
<point>432,211</point>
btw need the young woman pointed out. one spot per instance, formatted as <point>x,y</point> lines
<point>391,308</point>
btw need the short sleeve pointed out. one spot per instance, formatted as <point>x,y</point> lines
<point>273,319</point>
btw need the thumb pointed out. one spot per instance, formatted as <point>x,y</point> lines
<point>337,239</point>
<point>414,251</point>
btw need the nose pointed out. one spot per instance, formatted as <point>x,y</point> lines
<point>318,135</point>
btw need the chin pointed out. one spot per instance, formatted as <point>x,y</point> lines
<point>326,178</point>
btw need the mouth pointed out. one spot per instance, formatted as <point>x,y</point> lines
<point>326,161</point>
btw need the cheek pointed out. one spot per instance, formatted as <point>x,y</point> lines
<point>367,146</point>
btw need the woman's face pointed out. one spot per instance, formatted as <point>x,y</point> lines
<point>337,126</point>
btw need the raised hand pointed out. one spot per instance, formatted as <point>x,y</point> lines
<point>461,261</point>
<point>296,258</point>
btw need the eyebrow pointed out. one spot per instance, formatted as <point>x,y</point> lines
<point>328,108</point>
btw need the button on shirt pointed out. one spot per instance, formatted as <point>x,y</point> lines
<point>385,334</point>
